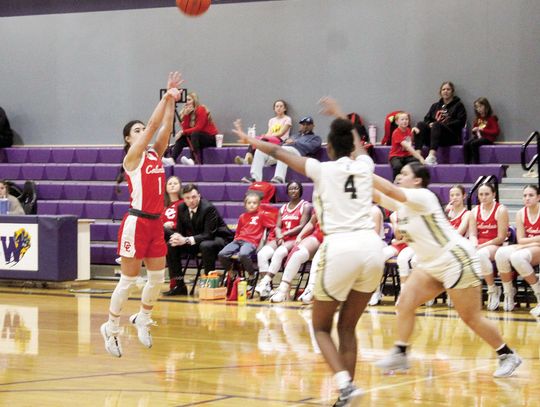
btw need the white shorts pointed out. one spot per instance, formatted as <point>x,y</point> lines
<point>458,267</point>
<point>349,261</point>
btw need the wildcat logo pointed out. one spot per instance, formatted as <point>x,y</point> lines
<point>16,246</point>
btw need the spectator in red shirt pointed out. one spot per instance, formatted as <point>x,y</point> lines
<point>485,130</point>
<point>402,151</point>
<point>198,131</point>
<point>250,230</point>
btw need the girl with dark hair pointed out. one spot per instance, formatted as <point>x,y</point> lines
<point>350,265</point>
<point>445,261</point>
<point>442,124</point>
<point>141,233</point>
<point>488,228</point>
<point>525,255</point>
<point>484,132</point>
<point>292,217</point>
<point>279,128</point>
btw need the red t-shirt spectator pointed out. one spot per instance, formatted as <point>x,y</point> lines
<point>397,149</point>
<point>489,127</point>
<point>251,226</point>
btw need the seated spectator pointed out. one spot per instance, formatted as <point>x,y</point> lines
<point>251,227</point>
<point>279,128</point>
<point>169,216</point>
<point>14,206</point>
<point>199,228</point>
<point>442,125</point>
<point>484,132</point>
<point>198,132</point>
<point>402,151</point>
<point>488,227</point>
<point>526,254</point>
<point>292,217</point>
<point>305,143</point>
<point>6,134</point>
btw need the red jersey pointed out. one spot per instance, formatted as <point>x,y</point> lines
<point>290,218</point>
<point>251,226</point>
<point>487,228</point>
<point>201,124</point>
<point>397,149</point>
<point>146,184</point>
<point>532,228</point>
<point>456,221</point>
<point>170,213</point>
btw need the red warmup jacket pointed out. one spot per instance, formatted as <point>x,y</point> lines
<point>202,124</point>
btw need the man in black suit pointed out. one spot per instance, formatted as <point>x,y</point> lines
<point>199,228</point>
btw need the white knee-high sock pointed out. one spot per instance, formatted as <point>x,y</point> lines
<point>263,258</point>
<point>119,297</point>
<point>521,260</point>
<point>485,262</point>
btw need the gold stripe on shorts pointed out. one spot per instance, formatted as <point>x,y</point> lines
<point>435,229</point>
<point>465,261</point>
<point>321,268</point>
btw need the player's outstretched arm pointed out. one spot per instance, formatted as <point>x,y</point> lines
<point>297,163</point>
<point>162,140</point>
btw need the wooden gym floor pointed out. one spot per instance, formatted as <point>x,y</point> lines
<point>219,354</point>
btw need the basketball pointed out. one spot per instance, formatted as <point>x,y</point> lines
<point>193,7</point>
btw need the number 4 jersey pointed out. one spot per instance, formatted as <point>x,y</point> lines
<point>343,193</point>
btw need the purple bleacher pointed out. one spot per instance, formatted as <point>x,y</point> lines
<point>103,253</point>
<point>56,171</point>
<point>236,191</point>
<point>234,209</point>
<point>96,253</point>
<point>81,172</point>
<point>71,208</point>
<point>47,207</point>
<point>123,195</point>
<point>15,155</point>
<point>221,208</point>
<point>62,155</point>
<point>119,209</point>
<point>449,173</point>
<point>112,231</point>
<point>99,232</point>
<point>384,170</point>
<point>475,171</point>
<point>504,153</point>
<point>76,191</point>
<point>187,173</point>
<point>86,155</point>
<point>39,155</point>
<point>103,192</point>
<point>49,191</point>
<point>10,171</point>
<point>380,154</point>
<point>213,155</point>
<point>213,192</point>
<point>113,155</point>
<point>106,172</point>
<point>98,210</point>
<point>212,173</point>
<point>234,173</point>
<point>32,171</point>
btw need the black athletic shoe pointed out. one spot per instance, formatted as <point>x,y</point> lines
<point>347,395</point>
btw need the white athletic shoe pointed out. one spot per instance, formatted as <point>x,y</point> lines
<point>168,162</point>
<point>376,297</point>
<point>280,296</point>
<point>508,302</point>
<point>430,303</point>
<point>118,260</point>
<point>264,288</point>
<point>347,395</point>
<point>187,161</point>
<point>307,296</point>
<point>110,336</point>
<point>494,299</point>
<point>431,160</point>
<point>507,365</point>
<point>395,360</point>
<point>142,323</point>
<point>535,312</point>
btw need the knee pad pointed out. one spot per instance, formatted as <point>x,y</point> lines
<point>152,287</point>
<point>502,259</point>
<point>121,293</point>
<point>521,261</point>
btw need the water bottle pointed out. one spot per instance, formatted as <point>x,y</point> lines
<point>372,132</point>
<point>242,292</point>
<point>4,206</point>
<point>252,131</point>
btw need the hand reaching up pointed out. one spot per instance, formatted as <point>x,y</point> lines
<point>175,80</point>
<point>330,107</point>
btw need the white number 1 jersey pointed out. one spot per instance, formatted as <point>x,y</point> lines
<point>342,195</point>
